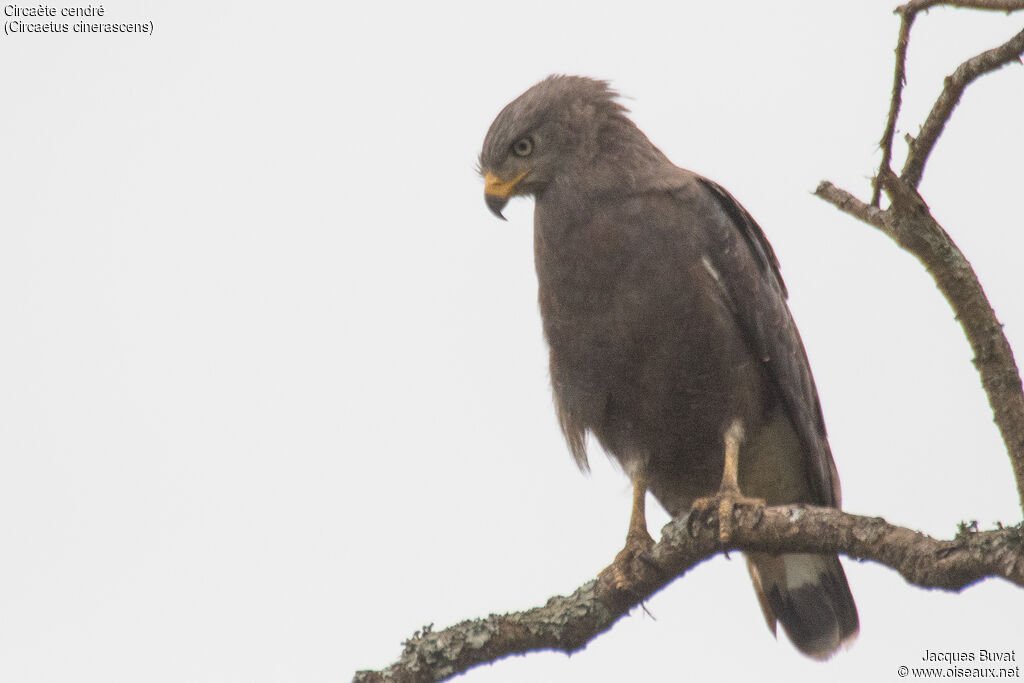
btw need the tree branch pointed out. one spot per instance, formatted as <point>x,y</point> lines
<point>847,203</point>
<point>913,228</point>
<point>898,81</point>
<point>910,224</point>
<point>965,74</point>
<point>907,13</point>
<point>996,5</point>
<point>568,623</point>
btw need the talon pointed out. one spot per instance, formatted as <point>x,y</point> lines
<point>725,506</point>
<point>689,524</point>
<point>638,540</point>
<point>636,548</point>
<point>725,501</point>
<point>729,494</point>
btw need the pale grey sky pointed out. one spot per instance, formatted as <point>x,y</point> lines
<point>273,381</point>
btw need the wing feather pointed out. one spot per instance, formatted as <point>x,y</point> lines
<point>750,277</point>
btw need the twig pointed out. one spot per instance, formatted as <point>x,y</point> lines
<point>964,75</point>
<point>996,5</point>
<point>568,623</point>
<point>898,81</point>
<point>847,203</point>
<point>907,13</point>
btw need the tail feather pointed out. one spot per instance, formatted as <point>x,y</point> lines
<point>809,596</point>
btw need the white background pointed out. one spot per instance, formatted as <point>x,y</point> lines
<point>272,381</point>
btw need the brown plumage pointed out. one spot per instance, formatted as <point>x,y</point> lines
<point>669,333</point>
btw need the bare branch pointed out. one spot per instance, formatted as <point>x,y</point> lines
<point>910,224</point>
<point>898,81</point>
<point>914,228</point>
<point>964,75</point>
<point>997,5</point>
<point>847,203</point>
<point>908,12</point>
<point>568,623</point>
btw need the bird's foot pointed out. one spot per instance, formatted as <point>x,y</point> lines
<point>638,546</point>
<point>724,502</point>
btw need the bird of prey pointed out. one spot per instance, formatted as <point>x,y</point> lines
<point>669,334</point>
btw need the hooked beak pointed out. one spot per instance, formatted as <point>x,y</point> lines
<point>496,203</point>
<point>497,192</point>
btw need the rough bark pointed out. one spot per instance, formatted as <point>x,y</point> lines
<point>567,623</point>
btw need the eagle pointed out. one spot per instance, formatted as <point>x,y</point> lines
<point>670,337</point>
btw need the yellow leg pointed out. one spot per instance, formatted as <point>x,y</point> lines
<point>638,516</point>
<point>638,540</point>
<point>731,471</point>
<point>729,493</point>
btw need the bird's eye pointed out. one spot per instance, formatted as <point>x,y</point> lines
<point>522,147</point>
